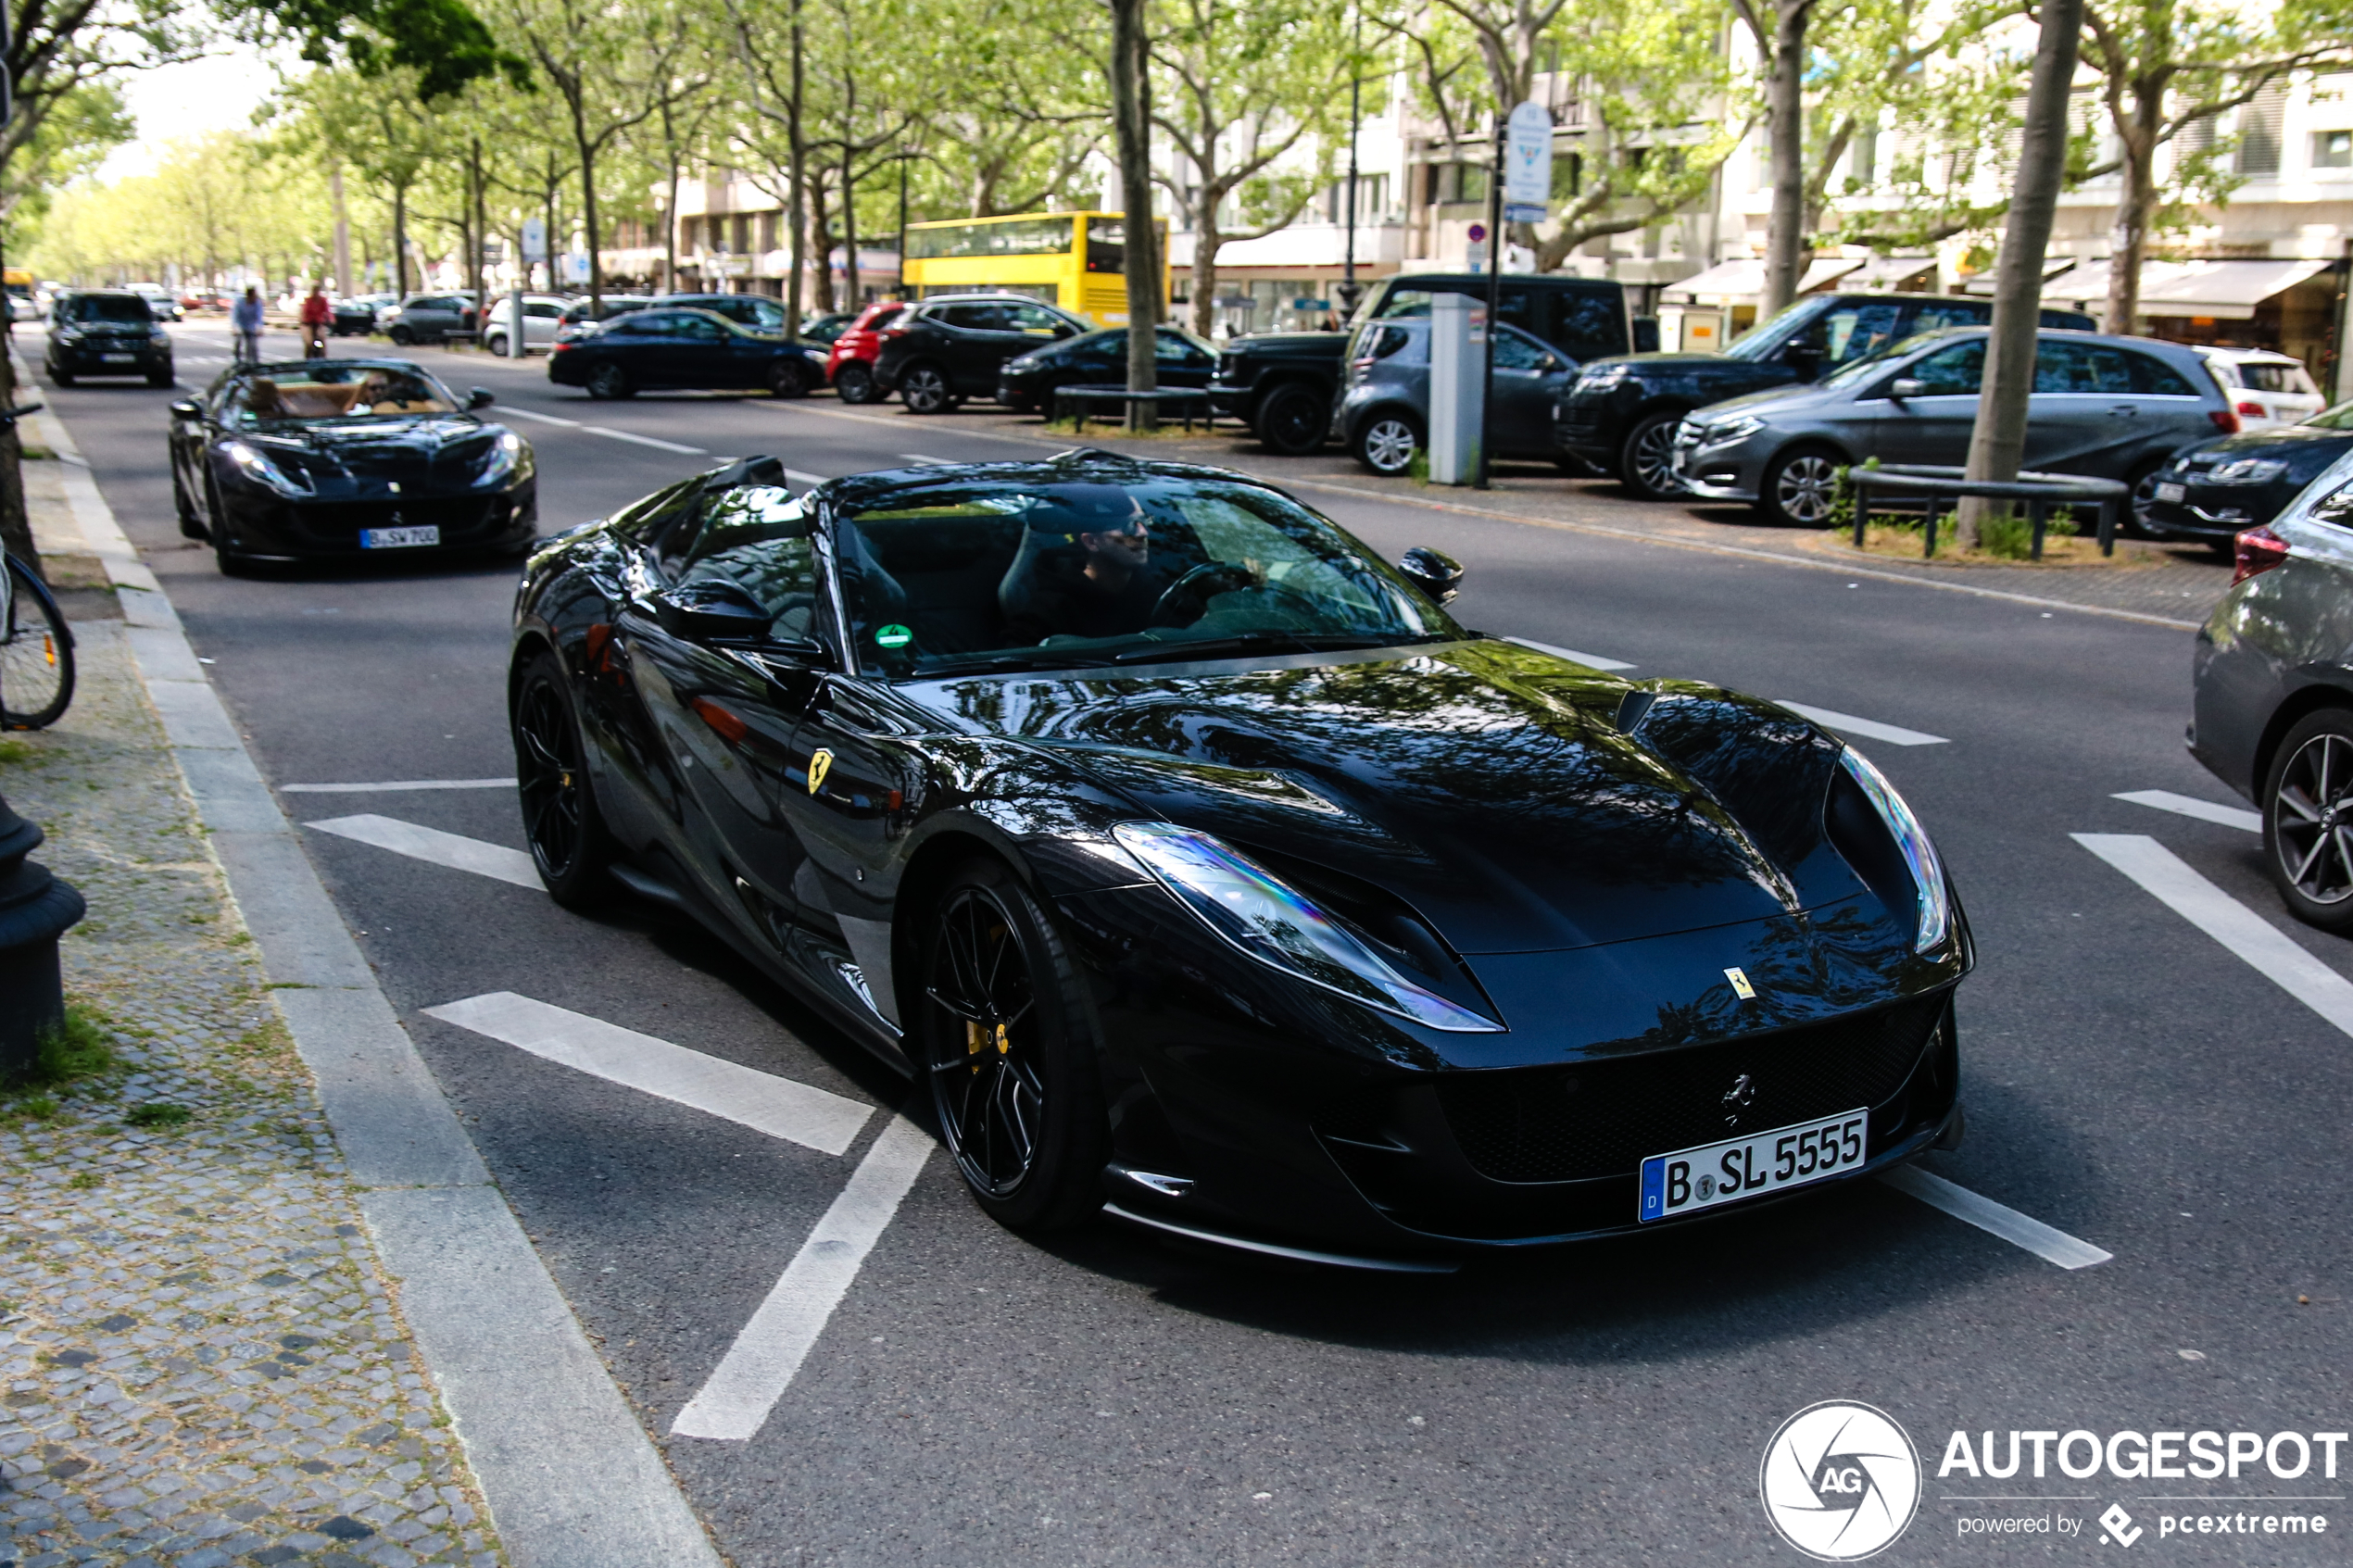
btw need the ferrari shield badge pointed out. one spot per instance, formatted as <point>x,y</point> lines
<point>1740,987</point>
<point>821,762</point>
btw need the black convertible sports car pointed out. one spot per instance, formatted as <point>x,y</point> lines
<point>1203,869</point>
<point>318,457</point>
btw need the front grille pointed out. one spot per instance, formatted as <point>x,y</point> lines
<point>458,519</point>
<point>1602,1118</point>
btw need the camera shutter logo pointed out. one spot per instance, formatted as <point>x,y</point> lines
<point>1840,1481</point>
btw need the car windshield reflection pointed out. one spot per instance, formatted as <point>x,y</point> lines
<point>338,392</point>
<point>996,576</point>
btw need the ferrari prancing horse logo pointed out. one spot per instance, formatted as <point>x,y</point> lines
<point>1740,987</point>
<point>821,762</point>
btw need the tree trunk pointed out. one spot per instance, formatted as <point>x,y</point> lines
<point>796,181</point>
<point>1207,242</point>
<point>670,208</point>
<point>1785,116</point>
<point>588,213</point>
<point>342,232</point>
<point>850,298</point>
<point>399,241</point>
<point>478,220</point>
<point>2129,243</point>
<point>1998,442</point>
<point>1131,115</point>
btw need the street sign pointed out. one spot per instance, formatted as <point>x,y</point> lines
<point>1528,163</point>
<point>1478,232</point>
<point>535,239</point>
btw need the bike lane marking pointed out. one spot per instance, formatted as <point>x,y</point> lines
<point>2190,806</point>
<point>1869,729</point>
<point>420,843</point>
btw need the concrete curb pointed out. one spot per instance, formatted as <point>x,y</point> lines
<point>570,1478</point>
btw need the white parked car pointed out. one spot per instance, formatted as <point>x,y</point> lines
<point>542,318</point>
<point>2266,389</point>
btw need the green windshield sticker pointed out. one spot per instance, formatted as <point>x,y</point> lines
<point>894,636</point>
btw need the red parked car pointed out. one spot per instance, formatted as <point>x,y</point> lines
<point>851,364</point>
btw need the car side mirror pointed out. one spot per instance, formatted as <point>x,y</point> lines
<point>711,613</point>
<point>479,397</point>
<point>187,408</point>
<point>1904,387</point>
<point>1434,572</point>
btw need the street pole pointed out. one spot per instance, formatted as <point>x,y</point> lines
<point>1348,261</point>
<point>902,226</point>
<point>1494,300</point>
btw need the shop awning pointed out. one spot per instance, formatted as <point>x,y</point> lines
<point>1887,271</point>
<point>1745,279</point>
<point>2227,290</point>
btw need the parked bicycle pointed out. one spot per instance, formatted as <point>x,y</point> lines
<point>36,652</point>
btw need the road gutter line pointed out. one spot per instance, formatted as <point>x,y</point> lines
<point>569,1477</point>
<point>2051,1245</point>
<point>762,1363</point>
<point>393,784</point>
<point>2270,951</point>
<point>1601,530</point>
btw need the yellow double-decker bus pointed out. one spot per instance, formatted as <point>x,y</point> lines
<point>1075,259</point>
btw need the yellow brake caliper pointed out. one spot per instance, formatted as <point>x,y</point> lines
<point>978,1037</point>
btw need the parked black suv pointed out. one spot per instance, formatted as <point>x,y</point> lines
<point>952,346</point>
<point>106,332</point>
<point>1285,387</point>
<point>1619,414</point>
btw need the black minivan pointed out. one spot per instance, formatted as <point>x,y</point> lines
<point>1619,414</point>
<point>1286,386</point>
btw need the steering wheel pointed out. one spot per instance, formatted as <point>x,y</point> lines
<point>1194,584</point>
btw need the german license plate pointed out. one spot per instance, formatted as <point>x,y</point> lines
<point>400,538</point>
<point>119,359</point>
<point>1716,1174</point>
<point>2173,494</point>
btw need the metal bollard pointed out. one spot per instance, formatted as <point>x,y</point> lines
<point>35,910</point>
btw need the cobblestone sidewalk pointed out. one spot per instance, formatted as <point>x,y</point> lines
<point>200,1361</point>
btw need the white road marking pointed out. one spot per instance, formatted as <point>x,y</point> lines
<point>1596,660</point>
<point>799,478</point>
<point>2272,953</point>
<point>1869,729</point>
<point>766,1356</point>
<point>2191,806</point>
<point>450,849</point>
<point>2047,1243</point>
<point>644,440</point>
<point>799,1113</point>
<point>921,461</point>
<point>397,783</point>
<point>535,414</point>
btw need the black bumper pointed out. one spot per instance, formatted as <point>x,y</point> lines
<point>100,362</point>
<point>2212,513</point>
<point>274,527</point>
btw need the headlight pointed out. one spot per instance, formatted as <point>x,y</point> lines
<point>257,468</point>
<point>1729,430</point>
<point>2246,470</point>
<point>1934,901</point>
<point>1601,378</point>
<point>506,458</point>
<point>1274,923</point>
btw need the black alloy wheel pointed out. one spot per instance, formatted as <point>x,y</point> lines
<point>1294,421</point>
<point>1647,461</point>
<point>1800,487</point>
<point>924,389</point>
<point>232,563</point>
<point>1011,1060</point>
<point>2308,820</point>
<point>36,654</point>
<point>854,382</point>
<point>608,380</point>
<point>403,336</point>
<point>1386,442</point>
<point>570,846</point>
<point>787,380</point>
<point>2144,501</point>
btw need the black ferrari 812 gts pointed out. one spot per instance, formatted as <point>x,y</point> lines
<point>1201,869</point>
<point>318,459</point>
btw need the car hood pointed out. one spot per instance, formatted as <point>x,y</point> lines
<point>2305,446</point>
<point>1291,345</point>
<point>1520,802</point>
<point>366,457</point>
<point>1762,399</point>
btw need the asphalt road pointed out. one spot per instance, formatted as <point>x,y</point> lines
<point>979,1398</point>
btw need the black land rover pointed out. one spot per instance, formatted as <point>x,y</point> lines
<point>1619,414</point>
<point>1283,386</point>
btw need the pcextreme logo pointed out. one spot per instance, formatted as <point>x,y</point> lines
<point>1840,1481</point>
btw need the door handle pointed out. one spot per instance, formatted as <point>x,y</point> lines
<point>2127,410</point>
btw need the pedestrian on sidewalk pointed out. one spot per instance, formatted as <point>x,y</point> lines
<point>316,315</point>
<point>245,321</point>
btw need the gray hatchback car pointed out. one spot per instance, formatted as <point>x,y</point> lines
<point>1383,416</point>
<point>2274,704</point>
<point>2110,407</point>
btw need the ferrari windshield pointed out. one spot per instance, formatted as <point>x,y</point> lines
<point>336,392</point>
<point>1008,575</point>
